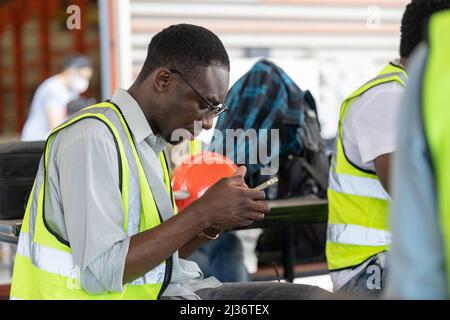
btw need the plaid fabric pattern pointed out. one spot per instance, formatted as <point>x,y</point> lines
<point>264,98</point>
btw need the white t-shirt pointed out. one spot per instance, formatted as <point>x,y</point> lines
<point>52,93</point>
<point>369,130</point>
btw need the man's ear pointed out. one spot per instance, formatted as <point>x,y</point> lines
<point>162,79</point>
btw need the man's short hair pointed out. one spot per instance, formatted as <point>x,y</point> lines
<point>414,22</point>
<point>184,47</point>
<point>77,61</point>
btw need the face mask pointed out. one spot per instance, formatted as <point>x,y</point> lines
<point>77,83</point>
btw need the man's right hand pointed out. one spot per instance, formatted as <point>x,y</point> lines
<point>226,205</point>
<point>230,203</point>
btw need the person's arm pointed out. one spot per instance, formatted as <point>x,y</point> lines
<point>195,243</point>
<point>225,205</point>
<point>383,169</point>
<point>376,126</point>
<point>94,218</point>
<point>55,115</point>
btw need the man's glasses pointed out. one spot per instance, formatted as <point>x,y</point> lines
<point>213,110</point>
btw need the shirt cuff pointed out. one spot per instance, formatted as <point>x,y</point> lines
<point>105,273</point>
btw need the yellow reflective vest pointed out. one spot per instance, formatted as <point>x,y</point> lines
<point>436,119</point>
<point>358,203</point>
<point>44,267</point>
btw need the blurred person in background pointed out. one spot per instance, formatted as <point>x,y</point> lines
<point>358,237</point>
<point>420,218</point>
<point>78,104</point>
<point>49,105</point>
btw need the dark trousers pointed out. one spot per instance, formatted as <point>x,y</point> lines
<point>264,291</point>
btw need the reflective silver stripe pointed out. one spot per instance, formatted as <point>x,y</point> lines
<point>357,186</point>
<point>61,263</point>
<point>14,298</point>
<point>357,235</point>
<point>48,259</point>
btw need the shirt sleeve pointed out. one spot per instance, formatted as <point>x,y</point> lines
<point>375,122</point>
<point>90,194</point>
<point>54,97</point>
<point>417,261</point>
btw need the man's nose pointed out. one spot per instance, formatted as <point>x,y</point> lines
<point>207,123</point>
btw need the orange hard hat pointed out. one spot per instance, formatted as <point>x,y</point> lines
<point>195,175</point>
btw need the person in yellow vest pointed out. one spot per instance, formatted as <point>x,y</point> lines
<point>358,236</point>
<point>101,222</point>
<point>420,212</point>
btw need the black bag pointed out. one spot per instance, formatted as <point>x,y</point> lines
<point>19,163</point>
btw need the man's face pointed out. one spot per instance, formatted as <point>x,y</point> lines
<point>78,79</point>
<point>187,106</point>
<point>86,72</point>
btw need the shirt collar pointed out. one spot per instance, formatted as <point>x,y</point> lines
<point>136,120</point>
<point>398,63</point>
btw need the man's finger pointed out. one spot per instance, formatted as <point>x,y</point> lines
<point>261,207</point>
<point>246,223</point>
<point>256,216</point>
<point>253,194</point>
<point>237,180</point>
<point>241,171</point>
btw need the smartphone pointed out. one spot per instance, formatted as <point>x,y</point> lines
<point>267,184</point>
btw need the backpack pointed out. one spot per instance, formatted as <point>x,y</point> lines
<point>266,98</point>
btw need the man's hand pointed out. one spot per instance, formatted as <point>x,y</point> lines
<point>230,203</point>
<point>226,205</point>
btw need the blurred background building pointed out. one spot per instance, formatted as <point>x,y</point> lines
<point>326,46</point>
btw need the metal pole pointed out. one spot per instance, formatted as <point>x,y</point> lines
<point>288,239</point>
<point>105,57</point>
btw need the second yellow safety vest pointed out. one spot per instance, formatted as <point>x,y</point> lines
<point>357,214</point>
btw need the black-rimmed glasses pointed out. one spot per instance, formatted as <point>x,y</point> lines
<point>213,110</point>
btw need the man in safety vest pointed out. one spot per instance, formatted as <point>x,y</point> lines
<point>358,236</point>
<point>101,221</point>
<point>420,213</point>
